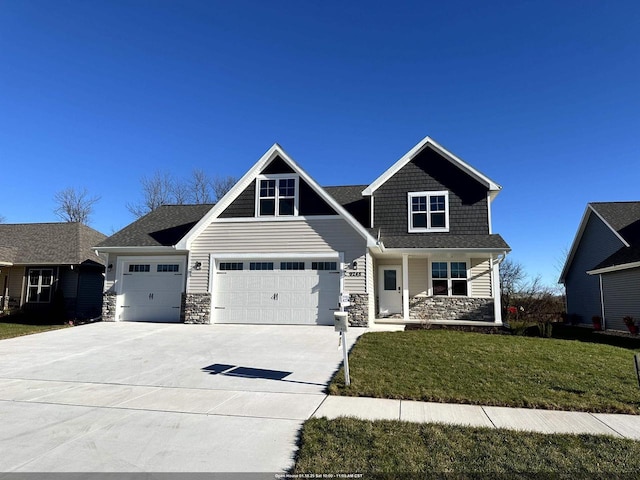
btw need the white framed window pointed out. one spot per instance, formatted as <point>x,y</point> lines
<point>140,268</point>
<point>291,265</point>
<point>261,266</point>
<point>428,211</point>
<point>449,279</point>
<point>324,265</point>
<point>168,268</point>
<point>40,285</point>
<point>277,195</point>
<point>230,266</point>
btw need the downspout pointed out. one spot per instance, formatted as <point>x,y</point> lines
<point>495,283</point>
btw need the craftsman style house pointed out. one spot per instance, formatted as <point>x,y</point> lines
<point>415,245</point>
<point>39,259</point>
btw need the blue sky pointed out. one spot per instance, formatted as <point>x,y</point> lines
<point>543,97</point>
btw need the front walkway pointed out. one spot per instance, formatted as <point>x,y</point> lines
<point>534,420</point>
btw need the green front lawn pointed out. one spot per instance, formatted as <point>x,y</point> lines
<point>9,330</point>
<point>349,446</point>
<point>460,367</point>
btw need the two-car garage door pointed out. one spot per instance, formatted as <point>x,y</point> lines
<point>287,291</point>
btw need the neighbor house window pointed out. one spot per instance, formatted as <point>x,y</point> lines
<point>277,197</point>
<point>428,212</point>
<point>40,285</point>
<point>449,278</point>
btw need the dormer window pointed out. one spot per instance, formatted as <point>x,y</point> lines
<point>428,212</point>
<point>277,196</point>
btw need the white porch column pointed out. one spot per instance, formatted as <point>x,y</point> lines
<point>495,290</point>
<point>405,286</point>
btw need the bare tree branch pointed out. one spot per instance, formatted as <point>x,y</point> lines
<point>163,189</point>
<point>221,185</point>
<point>180,192</point>
<point>74,205</point>
<point>2,219</point>
<point>201,186</point>
<point>156,190</point>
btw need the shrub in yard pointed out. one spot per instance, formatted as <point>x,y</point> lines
<point>631,324</point>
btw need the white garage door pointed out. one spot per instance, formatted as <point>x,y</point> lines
<point>276,292</point>
<point>151,289</point>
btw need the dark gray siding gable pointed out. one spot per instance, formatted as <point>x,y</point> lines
<point>277,165</point>
<point>583,291</point>
<point>429,171</point>
<point>244,205</point>
<point>621,293</point>
<point>309,203</point>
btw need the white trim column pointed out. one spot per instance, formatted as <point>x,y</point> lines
<point>495,290</point>
<point>405,286</point>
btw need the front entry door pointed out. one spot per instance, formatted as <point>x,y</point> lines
<point>389,289</point>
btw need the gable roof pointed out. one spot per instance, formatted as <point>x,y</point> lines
<point>249,177</point>
<point>428,142</point>
<point>350,197</point>
<point>623,219</point>
<point>48,243</point>
<point>164,226</point>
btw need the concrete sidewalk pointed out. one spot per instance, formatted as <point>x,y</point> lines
<point>525,419</point>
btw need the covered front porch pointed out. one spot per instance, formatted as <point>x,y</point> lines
<point>451,288</point>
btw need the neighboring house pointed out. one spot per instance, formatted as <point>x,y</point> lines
<point>37,259</point>
<point>414,245</point>
<point>602,272</point>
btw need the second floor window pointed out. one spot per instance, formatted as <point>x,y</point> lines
<point>428,212</point>
<point>277,197</point>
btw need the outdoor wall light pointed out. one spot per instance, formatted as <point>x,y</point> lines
<point>197,265</point>
<point>354,265</point>
<point>110,267</point>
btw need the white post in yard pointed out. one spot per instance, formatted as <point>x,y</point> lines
<point>347,378</point>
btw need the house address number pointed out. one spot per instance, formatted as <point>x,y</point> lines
<point>354,274</point>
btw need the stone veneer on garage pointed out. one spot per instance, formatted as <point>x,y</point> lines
<point>196,308</point>
<point>359,310</point>
<point>109,307</point>
<point>451,308</point>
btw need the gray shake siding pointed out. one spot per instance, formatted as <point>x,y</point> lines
<point>428,171</point>
<point>583,291</point>
<point>621,293</point>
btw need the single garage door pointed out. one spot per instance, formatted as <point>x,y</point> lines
<point>151,289</point>
<point>286,291</point>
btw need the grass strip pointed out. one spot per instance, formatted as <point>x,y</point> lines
<point>501,370</point>
<point>10,330</point>
<point>348,446</point>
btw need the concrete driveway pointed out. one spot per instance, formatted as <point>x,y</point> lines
<point>130,397</point>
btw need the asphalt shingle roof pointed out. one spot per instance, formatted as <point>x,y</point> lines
<point>165,226</point>
<point>624,218</point>
<point>443,240</point>
<point>48,243</point>
<point>350,197</point>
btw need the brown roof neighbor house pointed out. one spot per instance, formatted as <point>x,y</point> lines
<point>38,259</point>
